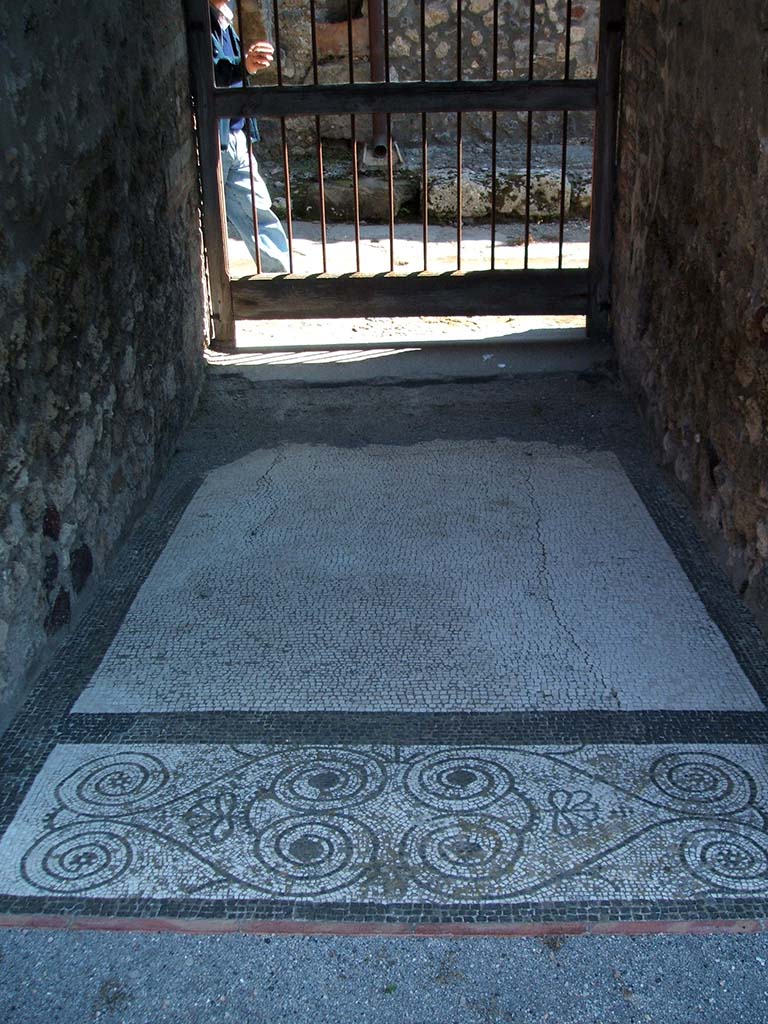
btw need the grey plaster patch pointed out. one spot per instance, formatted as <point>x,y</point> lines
<point>392,824</point>
<point>445,576</point>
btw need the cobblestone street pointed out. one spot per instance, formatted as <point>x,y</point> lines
<point>401,654</point>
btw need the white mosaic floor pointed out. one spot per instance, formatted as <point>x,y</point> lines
<point>478,576</point>
<point>392,824</point>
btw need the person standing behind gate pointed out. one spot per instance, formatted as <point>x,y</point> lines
<point>230,69</point>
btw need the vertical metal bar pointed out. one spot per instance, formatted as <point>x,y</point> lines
<point>494,133</point>
<point>391,188</point>
<point>390,160</point>
<point>425,191</point>
<point>494,141</point>
<point>459,134</point>
<point>529,134</point>
<point>254,212</point>
<point>459,43</point>
<point>284,141</point>
<point>321,184</point>
<point>379,62</point>
<point>353,140</point>
<point>563,183</point>
<point>213,213</point>
<point>240,29</point>
<point>320,170</point>
<point>287,179</point>
<point>564,153</point>
<point>244,44</point>
<point>385,15</point>
<point>424,141</point>
<point>604,167</point>
<point>278,54</point>
<point>459,188</point>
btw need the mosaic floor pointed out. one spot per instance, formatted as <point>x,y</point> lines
<point>449,576</point>
<point>485,678</point>
<point>411,824</point>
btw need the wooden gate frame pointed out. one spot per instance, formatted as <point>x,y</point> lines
<point>482,292</point>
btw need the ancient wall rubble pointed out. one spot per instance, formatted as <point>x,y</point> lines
<point>101,294</point>
<point>691,272</point>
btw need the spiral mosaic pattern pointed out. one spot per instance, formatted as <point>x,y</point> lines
<point>75,859</point>
<point>330,780</point>
<point>112,783</point>
<point>452,850</point>
<point>736,861</point>
<point>391,825</point>
<point>458,782</point>
<point>703,780</point>
<point>307,855</point>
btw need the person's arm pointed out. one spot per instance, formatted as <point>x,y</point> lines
<point>259,56</point>
<point>228,71</point>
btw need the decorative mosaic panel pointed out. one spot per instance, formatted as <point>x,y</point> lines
<point>512,576</point>
<point>392,824</point>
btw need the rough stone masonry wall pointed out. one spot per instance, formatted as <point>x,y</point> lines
<point>404,35</point>
<point>691,269</point>
<point>100,293</point>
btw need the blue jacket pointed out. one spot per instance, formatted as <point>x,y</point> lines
<point>228,72</point>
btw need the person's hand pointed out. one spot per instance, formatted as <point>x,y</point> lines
<point>259,56</point>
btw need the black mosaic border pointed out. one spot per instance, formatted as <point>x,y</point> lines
<point>520,728</point>
<point>345,914</point>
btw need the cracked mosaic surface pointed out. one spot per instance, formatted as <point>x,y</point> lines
<point>389,823</point>
<point>445,576</point>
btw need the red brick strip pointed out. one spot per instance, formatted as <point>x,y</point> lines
<point>191,926</point>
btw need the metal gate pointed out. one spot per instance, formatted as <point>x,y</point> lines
<point>492,291</point>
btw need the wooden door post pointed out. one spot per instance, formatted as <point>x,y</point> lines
<point>214,217</point>
<point>604,167</point>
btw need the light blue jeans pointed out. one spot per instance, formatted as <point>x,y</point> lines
<point>236,174</point>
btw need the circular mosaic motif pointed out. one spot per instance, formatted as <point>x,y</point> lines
<point>727,859</point>
<point>454,849</point>
<point>458,782</point>
<point>76,859</point>
<point>307,856</point>
<point>327,780</point>
<point>107,783</point>
<point>704,780</point>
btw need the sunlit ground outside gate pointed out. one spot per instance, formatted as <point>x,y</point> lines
<point>375,259</point>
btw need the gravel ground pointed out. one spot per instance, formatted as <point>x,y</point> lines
<point>154,979</point>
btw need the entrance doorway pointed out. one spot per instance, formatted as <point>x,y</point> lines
<point>426,160</point>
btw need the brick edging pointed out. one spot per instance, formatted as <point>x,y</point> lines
<point>224,926</point>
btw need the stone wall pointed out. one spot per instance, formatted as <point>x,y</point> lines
<point>100,291</point>
<point>691,270</point>
<point>404,37</point>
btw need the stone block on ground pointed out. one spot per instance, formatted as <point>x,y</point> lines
<point>339,199</point>
<point>510,195</point>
